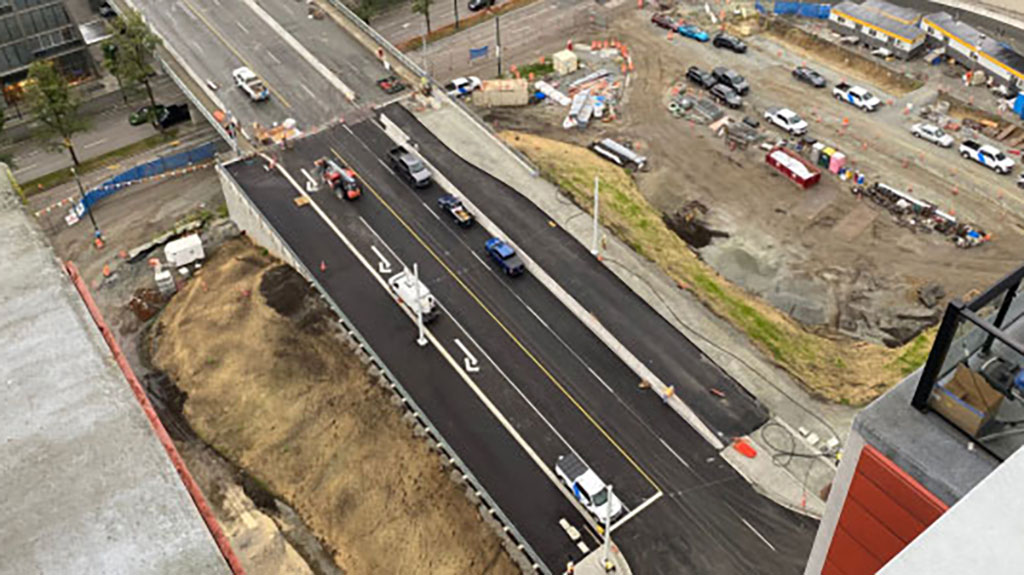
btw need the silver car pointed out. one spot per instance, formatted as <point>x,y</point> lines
<point>933,134</point>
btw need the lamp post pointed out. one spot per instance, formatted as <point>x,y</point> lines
<point>422,339</point>
<point>594,245</point>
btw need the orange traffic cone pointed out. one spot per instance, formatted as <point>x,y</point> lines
<point>323,266</point>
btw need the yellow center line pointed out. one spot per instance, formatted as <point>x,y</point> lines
<point>238,55</point>
<point>507,331</point>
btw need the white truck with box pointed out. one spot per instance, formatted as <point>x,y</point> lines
<point>404,286</point>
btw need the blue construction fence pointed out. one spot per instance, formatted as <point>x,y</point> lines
<point>804,9</point>
<point>156,167</point>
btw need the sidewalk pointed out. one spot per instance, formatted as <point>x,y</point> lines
<point>792,481</point>
<point>592,564</point>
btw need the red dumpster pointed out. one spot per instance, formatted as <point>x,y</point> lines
<point>793,166</point>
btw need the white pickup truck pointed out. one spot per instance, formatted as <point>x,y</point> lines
<point>856,96</point>
<point>404,286</point>
<point>986,155</point>
<point>786,119</point>
<point>250,83</point>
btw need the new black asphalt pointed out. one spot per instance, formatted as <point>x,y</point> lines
<point>672,357</point>
<point>559,386</point>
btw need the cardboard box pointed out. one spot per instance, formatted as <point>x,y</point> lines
<point>967,401</point>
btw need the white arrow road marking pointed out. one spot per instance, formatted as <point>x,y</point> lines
<point>472,365</point>
<point>384,266</point>
<point>311,185</point>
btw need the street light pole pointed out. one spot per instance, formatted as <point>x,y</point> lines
<point>607,525</point>
<point>593,246</point>
<point>497,40</point>
<point>455,4</point>
<point>88,210</point>
<point>422,339</point>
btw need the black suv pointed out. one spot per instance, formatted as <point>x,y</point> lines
<point>726,95</point>
<point>700,77</point>
<point>732,79</point>
<point>809,76</point>
<point>723,40</point>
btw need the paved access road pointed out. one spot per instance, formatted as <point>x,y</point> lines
<point>214,38</point>
<point>555,384</point>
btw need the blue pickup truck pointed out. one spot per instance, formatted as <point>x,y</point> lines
<point>505,257</point>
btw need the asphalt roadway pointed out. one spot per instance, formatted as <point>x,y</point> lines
<point>559,387</point>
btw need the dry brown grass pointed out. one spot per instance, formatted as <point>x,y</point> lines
<point>836,368</point>
<point>285,400</point>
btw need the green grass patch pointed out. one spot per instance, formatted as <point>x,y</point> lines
<point>538,69</point>
<point>63,175</point>
<point>836,368</point>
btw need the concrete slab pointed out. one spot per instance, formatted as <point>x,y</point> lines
<point>87,486</point>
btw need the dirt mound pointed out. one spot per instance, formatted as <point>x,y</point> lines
<point>296,410</point>
<point>284,290</point>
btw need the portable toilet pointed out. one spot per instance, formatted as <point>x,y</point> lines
<point>184,250</point>
<point>565,62</point>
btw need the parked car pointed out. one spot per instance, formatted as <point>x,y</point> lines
<point>700,77</point>
<point>461,86</point>
<point>475,5</point>
<point>504,256</point>
<point>856,96</point>
<point>732,79</point>
<point>933,134</point>
<point>786,119</point>
<point>587,487</point>
<point>726,95</point>
<point>809,76</point>
<point>173,114</point>
<point>723,40</point>
<point>106,11</point>
<point>663,21</point>
<point>142,115</point>
<point>986,155</point>
<point>695,32</point>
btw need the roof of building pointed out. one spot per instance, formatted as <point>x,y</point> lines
<point>87,486</point>
<point>884,17</point>
<point>980,534</point>
<point>967,34</point>
<point>944,459</point>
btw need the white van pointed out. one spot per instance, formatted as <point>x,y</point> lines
<point>403,285</point>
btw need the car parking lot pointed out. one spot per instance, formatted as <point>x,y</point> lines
<point>823,255</point>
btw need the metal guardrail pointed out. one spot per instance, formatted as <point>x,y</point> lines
<point>508,527</point>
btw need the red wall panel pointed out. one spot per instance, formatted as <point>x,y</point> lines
<point>885,509</point>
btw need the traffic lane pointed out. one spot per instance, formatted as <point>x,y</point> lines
<point>401,23</point>
<point>548,401</point>
<point>341,53</point>
<point>670,355</point>
<point>208,57</point>
<point>671,473</point>
<point>523,492</point>
<point>313,99</point>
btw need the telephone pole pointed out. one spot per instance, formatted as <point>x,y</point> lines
<point>497,40</point>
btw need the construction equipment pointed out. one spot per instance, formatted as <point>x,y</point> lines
<point>341,180</point>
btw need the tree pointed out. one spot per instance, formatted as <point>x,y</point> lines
<point>366,10</point>
<point>134,52</point>
<point>54,105</point>
<point>110,63</point>
<point>423,7</point>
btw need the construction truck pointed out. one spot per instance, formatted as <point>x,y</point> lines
<point>411,293</point>
<point>340,179</point>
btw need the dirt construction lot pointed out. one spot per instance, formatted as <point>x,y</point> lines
<point>270,386</point>
<point>838,265</point>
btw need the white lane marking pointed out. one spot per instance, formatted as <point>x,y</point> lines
<point>634,512</point>
<point>308,91</point>
<point>383,163</point>
<point>479,259</point>
<point>244,29</point>
<point>273,57</point>
<point>92,144</point>
<point>758,533</point>
<point>437,344</point>
<point>431,212</point>
<point>477,345</point>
